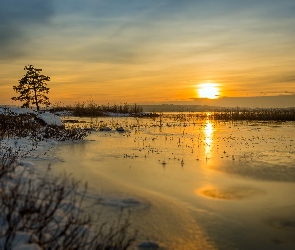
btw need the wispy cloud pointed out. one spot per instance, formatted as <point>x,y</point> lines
<point>17,18</point>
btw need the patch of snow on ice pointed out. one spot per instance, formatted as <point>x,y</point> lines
<point>28,247</point>
<point>26,164</point>
<point>119,202</point>
<point>64,113</point>
<point>105,129</point>
<point>148,245</point>
<point>111,114</point>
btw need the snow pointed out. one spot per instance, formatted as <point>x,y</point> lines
<point>64,113</point>
<point>24,241</point>
<point>25,146</point>
<point>28,152</point>
<point>148,245</point>
<point>120,202</point>
<point>50,119</point>
<point>111,114</point>
<point>17,111</point>
<point>105,129</point>
<point>120,129</point>
<point>47,117</point>
<point>28,247</point>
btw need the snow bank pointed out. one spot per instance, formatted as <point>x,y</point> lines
<point>18,111</point>
<point>50,119</point>
<point>23,241</point>
<point>46,117</point>
<point>27,147</point>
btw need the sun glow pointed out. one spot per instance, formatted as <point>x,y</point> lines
<point>208,90</point>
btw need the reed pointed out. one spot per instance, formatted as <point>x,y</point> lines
<point>91,109</point>
<point>259,114</point>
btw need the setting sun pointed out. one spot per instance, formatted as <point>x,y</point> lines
<point>208,90</point>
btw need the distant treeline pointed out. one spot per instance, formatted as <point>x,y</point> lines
<point>262,114</point>
<point>178,108</point>
<point>92,109</point>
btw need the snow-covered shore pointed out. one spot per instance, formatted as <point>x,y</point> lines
<point>22,148</point>
<point>47,117</point>
<point>40,212</point>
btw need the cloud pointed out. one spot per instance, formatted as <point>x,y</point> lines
<point>123,31</point>
<point>227,35</point>
<point>17,18</point>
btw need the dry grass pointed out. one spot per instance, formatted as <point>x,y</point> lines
<point>91,109</point>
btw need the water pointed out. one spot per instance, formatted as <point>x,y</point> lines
<point>191,184</point>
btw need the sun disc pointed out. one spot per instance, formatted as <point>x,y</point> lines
<point>208,90</point>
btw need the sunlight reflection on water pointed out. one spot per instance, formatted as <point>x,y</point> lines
<point>208,131</point>
<point>175,164</point>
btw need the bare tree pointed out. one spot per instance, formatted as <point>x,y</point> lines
<point>32,88</point>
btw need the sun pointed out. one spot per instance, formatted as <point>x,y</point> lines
<point>208,90</point>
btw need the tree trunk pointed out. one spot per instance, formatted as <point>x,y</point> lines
<point>36,100</point>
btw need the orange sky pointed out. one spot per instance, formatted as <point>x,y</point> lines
<point>147,52</point>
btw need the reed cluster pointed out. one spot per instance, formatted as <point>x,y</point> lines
<point>91,109</point>
<point>272,114</point>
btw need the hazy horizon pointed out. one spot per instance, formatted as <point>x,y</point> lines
<point>283,101</point>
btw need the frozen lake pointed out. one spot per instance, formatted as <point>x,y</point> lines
<point>189,183</point>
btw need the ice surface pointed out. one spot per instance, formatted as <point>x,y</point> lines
<point>246,171</point>
<point>237,172</point>
<point>230,193</point>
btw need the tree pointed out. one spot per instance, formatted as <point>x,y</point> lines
<point>32,88</point>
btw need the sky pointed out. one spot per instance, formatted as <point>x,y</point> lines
<point>155,51</point>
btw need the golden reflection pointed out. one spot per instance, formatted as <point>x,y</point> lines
<point>208,132</point>
<point>228,193</point>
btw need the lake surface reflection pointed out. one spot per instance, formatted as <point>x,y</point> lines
<point>190,183</point>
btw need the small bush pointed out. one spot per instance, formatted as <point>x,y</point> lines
<point>13,125</point>
<point>8,159</point>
